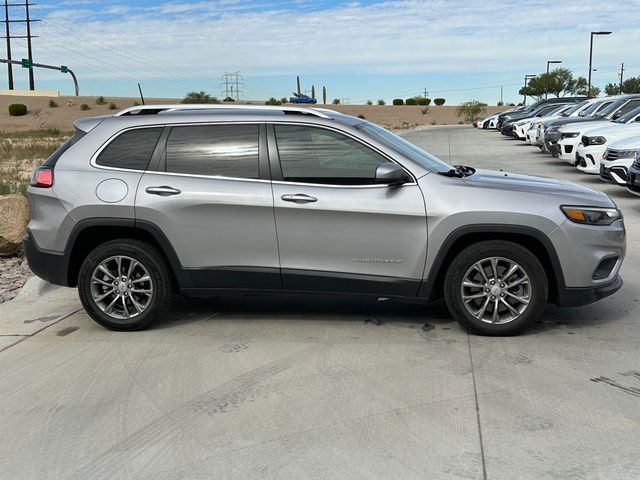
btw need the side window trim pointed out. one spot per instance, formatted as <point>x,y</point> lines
<point>157,163</point>
<point>276,168</point>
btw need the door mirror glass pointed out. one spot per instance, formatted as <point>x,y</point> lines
<point>391,173</point>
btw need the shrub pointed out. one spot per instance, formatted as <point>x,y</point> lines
<point>398,101</point>
<point>361,116</point>
<point>424,110</point>
<point>136,104</point>
<point>52,104</point>
<point>17,109</point>
<point>199,97</point>
<point>336,101</point>
<point>112,106</point>
<point>369,102</point>
<point>439,101</point>
<point>471,111</point>
<point>100,100</point>
<point>273,101</point>
<point>84,106</point>
<point>422,101</point>
<point>229,99</point>
<point>410,101</point>
<point>500,104</point>
<point>284,100</point>
<point>381,102</point>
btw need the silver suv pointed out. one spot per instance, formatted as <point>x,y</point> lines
<point>206,199</point>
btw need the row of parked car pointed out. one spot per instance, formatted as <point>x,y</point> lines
<point>600,136</point>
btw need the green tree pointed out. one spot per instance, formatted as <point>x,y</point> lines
<point>560,82</point>
<point>336,101</point>
<point>199,97</point>
<point>471,111</point>
<point>612,88</point>
<point>631,85</point>
<point>381,102</point>
<point>313,91</point>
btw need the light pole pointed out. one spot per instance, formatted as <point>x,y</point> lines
<point>591,58</point>
<point>526,79</point>
<point>549,62</point>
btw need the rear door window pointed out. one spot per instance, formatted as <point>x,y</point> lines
<point>214,150</point>
<point>131,149</point>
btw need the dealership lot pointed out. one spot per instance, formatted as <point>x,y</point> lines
<point>299,387</point>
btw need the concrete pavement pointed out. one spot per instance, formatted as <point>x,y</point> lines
<point>328,388</point>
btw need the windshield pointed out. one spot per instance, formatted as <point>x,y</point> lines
<point>605,112</point>
<point>403,147</point>
<point>557,110</point>
<point>629,116</point>
<point>575,108</point>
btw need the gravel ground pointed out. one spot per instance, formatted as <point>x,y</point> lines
<point>14,272</point>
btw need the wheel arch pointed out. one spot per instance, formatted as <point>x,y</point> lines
<point>89,233</point>
<point>531,238</point>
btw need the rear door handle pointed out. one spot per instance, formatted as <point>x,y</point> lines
<point>163,191</point>
<point>298,198</point>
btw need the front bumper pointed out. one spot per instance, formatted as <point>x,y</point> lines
<point>633,180</point>
<point>568,147</point>
<point>588,158</point>
<point>616,170</point>
<point>551,145</point>
<point>575,297</point>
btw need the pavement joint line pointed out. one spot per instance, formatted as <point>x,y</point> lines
<point>24,337</point>
<point>475,395</point>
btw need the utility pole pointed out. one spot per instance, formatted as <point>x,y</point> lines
<point>231,85</point>
<point>28,21</point>
<point>298,83</point>
<point>501,97</point>
<point>621,74</point>
<point>8,37</point>
<point>591,59</point>
<point>526,80</point>
<point>425,92</point>
<point>324,95</point>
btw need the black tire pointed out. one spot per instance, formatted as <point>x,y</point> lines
<point>538,285</point>
<point>154,263</point>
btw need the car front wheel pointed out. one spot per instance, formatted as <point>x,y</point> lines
<point>496,288</point>
<point>125,284</point>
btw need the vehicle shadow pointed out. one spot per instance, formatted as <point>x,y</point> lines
<point>305,308</point>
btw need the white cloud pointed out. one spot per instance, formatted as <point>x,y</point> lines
<point>180,40</point>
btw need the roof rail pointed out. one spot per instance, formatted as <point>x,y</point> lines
<point>156,109</point>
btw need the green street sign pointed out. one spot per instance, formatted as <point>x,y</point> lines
<point>26,63</point>
<point>64,69</point>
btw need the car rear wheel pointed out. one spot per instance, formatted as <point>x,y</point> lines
<point>496,287</point>
<point>125,284</point>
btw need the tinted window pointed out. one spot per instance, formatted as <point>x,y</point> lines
<point>132,149</point>
<point>216,150</point>
<point>631,105</point>
<point>316,155</point>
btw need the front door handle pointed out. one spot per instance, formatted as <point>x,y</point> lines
<point>163,191</point>
<point>298,198</point>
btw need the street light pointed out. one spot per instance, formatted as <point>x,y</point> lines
<point>526,79</point>
<point>549,62</point>
<point>591,58</point>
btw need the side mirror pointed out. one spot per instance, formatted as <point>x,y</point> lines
<point>391,174</point>
<point>616,116</point>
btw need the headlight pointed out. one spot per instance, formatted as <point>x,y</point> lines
<point>627,153</point>
<point>591,215</point>
<point>597,140</point>
<point>570,134</point>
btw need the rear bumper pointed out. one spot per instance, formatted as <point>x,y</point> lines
<point>50,266</point>
<point>575,297</point>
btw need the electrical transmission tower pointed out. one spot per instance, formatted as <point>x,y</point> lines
<point>232,85</point>
<point>8,36</point>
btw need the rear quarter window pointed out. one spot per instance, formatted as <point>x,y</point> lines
<point>131,149</point>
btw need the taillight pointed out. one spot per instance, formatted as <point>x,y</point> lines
<point>42,177</point>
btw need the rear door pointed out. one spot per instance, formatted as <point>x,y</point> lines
<point>337,230</point>
<point>211,197</point>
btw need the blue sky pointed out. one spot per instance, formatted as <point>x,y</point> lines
<point>457,49</point>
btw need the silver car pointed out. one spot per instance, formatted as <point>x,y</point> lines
<point>205,200</point>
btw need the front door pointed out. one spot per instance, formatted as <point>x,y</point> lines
<point>337,230</point>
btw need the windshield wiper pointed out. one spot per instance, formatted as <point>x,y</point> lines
<point>459,171</point>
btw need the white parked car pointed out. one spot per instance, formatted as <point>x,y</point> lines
<point>618,158</point>
<point>584,109</point>
<point>531,129</point>
<point>594,142</point>
<point>521,126</point>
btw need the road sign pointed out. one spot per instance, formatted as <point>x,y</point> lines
<point>27,63</point>
<point>64,69</point>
